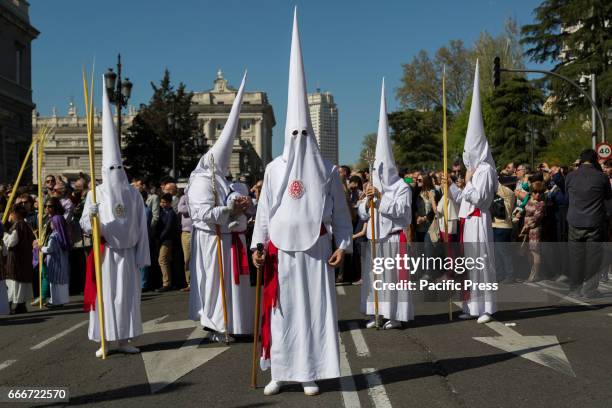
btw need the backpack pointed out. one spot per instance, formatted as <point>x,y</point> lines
<point>498,208</point>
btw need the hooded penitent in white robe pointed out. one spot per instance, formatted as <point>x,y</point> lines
<point>477,196</point>
<point>392,215</point>
<point>301,207</point>
<point>205,300</point>
<point>123,225</point>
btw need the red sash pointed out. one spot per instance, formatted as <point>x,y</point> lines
<point>403,273</point>
<point>270,295</point>
<point>239,257</point>
<point>90,290</point>
<point>465,294</point>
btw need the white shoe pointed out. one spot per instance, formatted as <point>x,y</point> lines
<point>99,351</point>
<point>466,316</point>
<point>392,324</point>
<point>371,324</point>
<point>485,318</point>
<point>310,388</point>
<point>126,348</point>
<point>273,387</point>
<point>220,337</point>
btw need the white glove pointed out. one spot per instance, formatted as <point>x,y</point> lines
<point>94,210</point>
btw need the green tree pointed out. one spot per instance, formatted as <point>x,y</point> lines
<point>506,46</point>
<point>516,117</point>
<point>417,138</point>
<point>368,146</point>
<point>149,139</point>
<point>576,35</point>
<point>573,134</point>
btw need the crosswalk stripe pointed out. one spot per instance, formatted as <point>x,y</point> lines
<point>376,389</point>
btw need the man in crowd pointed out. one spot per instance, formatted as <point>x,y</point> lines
<point>186,225</point>
<point>588,189</point>
<point>166,231</point>
<point>299,319</point>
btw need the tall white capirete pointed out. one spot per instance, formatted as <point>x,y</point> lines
<point>385,172</point>
<point>476,148</point>
<point>119,200</point>
<point>114,178</point>
<point>222,149</point>
<point>297,210</point>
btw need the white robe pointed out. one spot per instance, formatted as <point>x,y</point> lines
<point>121,288</point>
<point>394,214</point>
<point>205,301</point>
<point>304,326</point>
<point>4,305</point>
<point>59,293</point>
<point>478,236</point>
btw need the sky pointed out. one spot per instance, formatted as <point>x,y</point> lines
<point>348,46</point>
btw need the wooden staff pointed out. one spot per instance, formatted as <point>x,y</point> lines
<point>219,253</point>
<point>260,249</point>
<point>9,203</point>
<point>95,221</point>
<point>373,241</point>
<point>445,185</point>
<point>41,237</point>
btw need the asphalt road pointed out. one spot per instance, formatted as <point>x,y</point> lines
<point>547,351</point>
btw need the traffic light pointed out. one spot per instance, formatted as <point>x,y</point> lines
<point>496,72</point>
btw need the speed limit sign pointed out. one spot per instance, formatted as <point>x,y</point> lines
<point>604,151</point>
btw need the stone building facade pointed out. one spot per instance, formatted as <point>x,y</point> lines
<point>16,35</point>
<point>253,143</point>
<point>66,151</point>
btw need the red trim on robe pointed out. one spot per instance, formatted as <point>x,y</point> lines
<point>270,295</point>
<point>239,257</point>
<point>403,273</point>
<point>90,291</point>
<point>465,294</point>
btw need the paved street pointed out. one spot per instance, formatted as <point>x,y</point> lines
<point>552,353</point>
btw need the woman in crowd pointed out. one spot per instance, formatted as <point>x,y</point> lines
<point>532,227</point>
<point>58,266</point>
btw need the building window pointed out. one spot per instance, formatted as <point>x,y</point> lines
<point>246,124</point>
<point>73,162</point>
<point>220,126</point>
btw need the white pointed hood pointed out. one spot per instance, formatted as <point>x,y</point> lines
<point>476,148</point>
<point>385,172</point>
<point>302,189</point>
<point>118,211</point>
<point>222,149</point>
<point>385,176</point>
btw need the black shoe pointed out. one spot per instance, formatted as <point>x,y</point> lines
<point>20,308</point>
<point>163,289</point>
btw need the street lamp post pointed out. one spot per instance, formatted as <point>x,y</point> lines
<point>172,128</point>
<point>118,91</point>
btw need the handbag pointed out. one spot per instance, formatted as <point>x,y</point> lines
<point>434,230</point>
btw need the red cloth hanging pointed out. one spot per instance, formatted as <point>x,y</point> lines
<point>239,257</point>
<point>90,290</point>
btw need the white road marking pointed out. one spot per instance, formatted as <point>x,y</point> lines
<point>357,335</point>
<point>59,335</point>
<point>6,364</point>
<point>544,350</point>
<point>164,367</point>
<point>376,389</point>
<point>558,294</point>
<point>606,285</point>
<point>156,325</point>
<point>340,290</point>
<point>347,382</point>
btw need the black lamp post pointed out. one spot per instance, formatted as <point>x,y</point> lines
<point>118,91</point>
<point>172,129</point>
